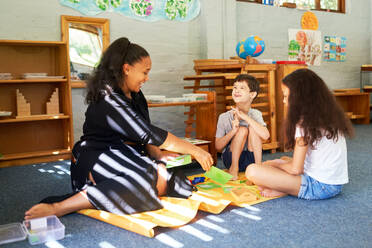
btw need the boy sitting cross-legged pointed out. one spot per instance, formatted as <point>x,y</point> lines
<point>241,130</point>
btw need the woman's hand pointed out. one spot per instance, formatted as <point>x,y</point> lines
<point>204,158</point>
<point>174,144</point>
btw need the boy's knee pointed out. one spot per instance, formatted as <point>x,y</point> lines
<point>251,131</point>
<point>243,131</point>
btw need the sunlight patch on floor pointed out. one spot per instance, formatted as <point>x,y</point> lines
<point>215,218</point>
<point>195,232</point>
<point>61,168</point>
<point>168,240</point>
<point>246,215</point>
<point>252,208</point>
<point>106,244</point>
<point>213,226</point>
<point>53,244</point>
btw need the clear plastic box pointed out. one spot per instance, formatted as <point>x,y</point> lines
<point>53,229</point>
<point>13,232</point>
<point>39,230</point>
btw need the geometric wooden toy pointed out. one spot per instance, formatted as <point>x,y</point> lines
<point>23,107</point>
<point>52,106</point>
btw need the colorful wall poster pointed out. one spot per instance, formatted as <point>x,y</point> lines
<point>144,10</point>
<point>334,49</point>
<point>305,45</point>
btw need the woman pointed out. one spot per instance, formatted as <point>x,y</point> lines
<point>118,165</point>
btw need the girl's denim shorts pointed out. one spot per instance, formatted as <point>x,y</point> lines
<point>312,189</point>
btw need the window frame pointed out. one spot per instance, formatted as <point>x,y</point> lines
<point>341,5</point>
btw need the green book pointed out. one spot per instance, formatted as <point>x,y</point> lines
<point>179,161</point>
<point>218,175</point>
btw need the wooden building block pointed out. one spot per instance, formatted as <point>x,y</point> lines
<point>23,107</point>
<point>52,106</point>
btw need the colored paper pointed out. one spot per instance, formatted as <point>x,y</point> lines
<point>218,175</point>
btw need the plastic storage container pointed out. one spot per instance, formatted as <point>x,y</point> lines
<point>13,232</point>
<point>39,230</point>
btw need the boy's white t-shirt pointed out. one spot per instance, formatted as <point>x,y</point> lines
<point>327,161</point>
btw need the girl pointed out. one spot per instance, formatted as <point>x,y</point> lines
<point>118,165</point>
<point>316,127</point>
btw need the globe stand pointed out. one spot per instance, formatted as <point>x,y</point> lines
<point>250,60</point>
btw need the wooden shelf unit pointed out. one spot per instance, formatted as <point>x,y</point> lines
<point>222,72</point>
<point>39,137</point>
<point>201,122</point>
<point>355,105</point>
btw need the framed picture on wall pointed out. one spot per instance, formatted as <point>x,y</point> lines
<point>305,45</point>
<point>334,49</point>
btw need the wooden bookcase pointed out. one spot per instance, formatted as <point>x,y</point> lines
<point>355,104</point>
<point>41,135</point>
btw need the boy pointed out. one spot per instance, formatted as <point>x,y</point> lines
<point>241,130</point>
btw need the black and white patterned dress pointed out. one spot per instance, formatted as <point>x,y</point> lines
<point>125,176</point>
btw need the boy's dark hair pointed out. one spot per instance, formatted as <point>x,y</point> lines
<point>252,82</point>
<point>109,71</point>
<point>312,106</point>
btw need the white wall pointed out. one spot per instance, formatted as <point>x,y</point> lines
<point>213,34</point>
<point>272,24</point>
<point>172,45</point>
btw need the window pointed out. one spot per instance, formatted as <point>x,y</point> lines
<point>322,5</point>
<point>85,45</point>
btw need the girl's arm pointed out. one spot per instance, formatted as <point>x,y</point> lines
<point>175,144</point>
<point>296,165</point>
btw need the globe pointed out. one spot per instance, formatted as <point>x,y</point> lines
<point>252,46</point>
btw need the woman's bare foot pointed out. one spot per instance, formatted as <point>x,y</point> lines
<point>271,193</point>
<point>40,210</point>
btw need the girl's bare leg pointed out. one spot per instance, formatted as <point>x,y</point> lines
<point>255,145</point>
<point>74,203</point>
<point>273,181</point>
<point>236,147</point>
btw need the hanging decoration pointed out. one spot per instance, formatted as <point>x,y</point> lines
<point>309,21</point>
<point>144,10</point>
